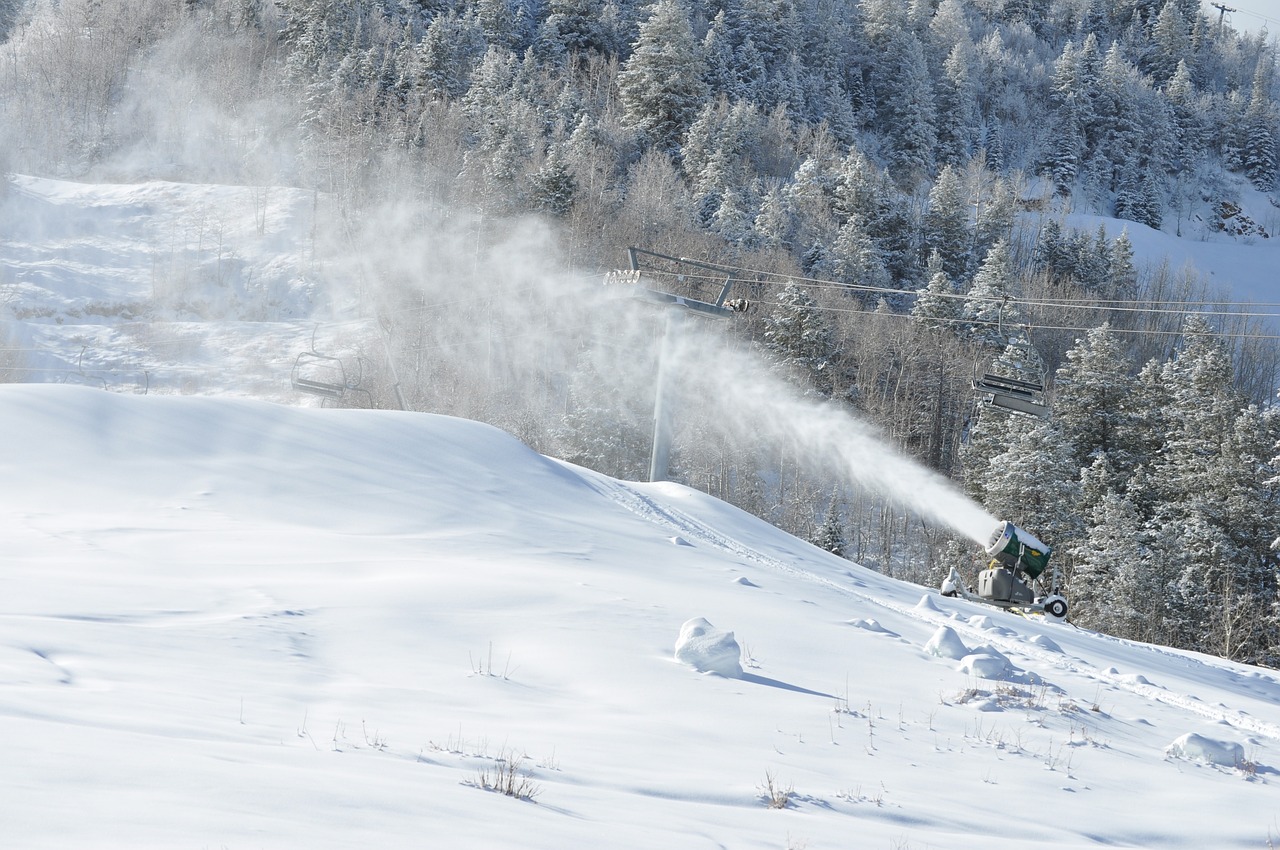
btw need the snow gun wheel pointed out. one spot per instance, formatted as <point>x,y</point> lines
<point>1055,606</point>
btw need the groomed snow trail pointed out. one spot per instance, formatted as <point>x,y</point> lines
<point>692,529</point>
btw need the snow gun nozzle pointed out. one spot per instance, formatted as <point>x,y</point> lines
<point>1016,547</point>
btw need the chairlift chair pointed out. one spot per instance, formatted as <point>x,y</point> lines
<point>1015,395</point>
<point>319,374</point>
<point>324,374</point>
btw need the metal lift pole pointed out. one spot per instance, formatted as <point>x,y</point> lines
<point>676,307</point>
<point>660,456</point>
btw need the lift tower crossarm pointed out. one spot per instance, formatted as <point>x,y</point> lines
<point>633,256</point>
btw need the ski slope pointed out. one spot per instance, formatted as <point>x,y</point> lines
<point>230,623</point>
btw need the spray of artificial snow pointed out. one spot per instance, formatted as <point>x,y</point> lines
<point>748,399</point>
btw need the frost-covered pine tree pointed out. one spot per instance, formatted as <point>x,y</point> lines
<point>1035,482</point>
<point>959,118</point>
<point>1259,154</point>
<point>829,536</point>
<point>906,108</point>
<point>937,306</point>
<point>1114,586</point>
<point>661,86</point>
<point>945,228</point>
<point>987,314</point>
<point>1092,397</point>
<point>1122,276</point>
<point>857,259</point>
<point>799,337</point>
<point>553,186</point>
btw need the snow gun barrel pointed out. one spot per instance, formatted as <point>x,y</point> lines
<point>1017,548</point>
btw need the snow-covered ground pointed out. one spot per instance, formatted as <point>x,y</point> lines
<point>166,287</point>
<point>1238,259</point>
<point>230,622</point>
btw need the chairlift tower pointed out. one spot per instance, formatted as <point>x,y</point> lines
<point>677,307</point>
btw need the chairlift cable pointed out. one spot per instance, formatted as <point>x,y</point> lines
<point>1100,305</point>
<point>989,323</point>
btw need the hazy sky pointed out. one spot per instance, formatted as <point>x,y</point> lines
<point>1249,15</point>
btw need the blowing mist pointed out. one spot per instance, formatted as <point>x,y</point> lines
<point>426,268</point>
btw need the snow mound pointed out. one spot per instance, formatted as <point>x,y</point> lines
<point>745,582</point>
<point>981,621</point>
<point>871,626</point>
<point>1199,748</point>
<point>708,650</point>
<point>1045,643</point>
<point>926,604</point>
<point>945,643</point>
<point>988,664</point>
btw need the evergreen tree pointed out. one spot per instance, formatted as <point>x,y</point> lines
<point>1170,43</point>
<point>1093,260</point>
<point>1122,276</point>
<point>1035,480</point>
<point>553,186</point>
<point>959,119</point>
<point>1189,518</point>
<point>661,83</point>
<point>986,315</point>
<point>1115,587</point>
<point>452,46</point>
<point>1052,252</point>
<point>571,27</point>
<point>946,224</point>
<point>906,107</point>
<point>799,337</point>
<point>1066,146</point>
<point>857,259</point>
<point>830,534</point>
<point>936,306</point>
<point>1259,154</point>
<point>1187,125</point>
<point>1091,399</point>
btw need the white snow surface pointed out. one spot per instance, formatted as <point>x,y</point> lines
<point>235,623</point>
<point>230,622</point>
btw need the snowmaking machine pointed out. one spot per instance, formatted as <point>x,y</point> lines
<point>1015,573</point>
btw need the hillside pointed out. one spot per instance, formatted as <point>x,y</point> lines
<point>230,623</point>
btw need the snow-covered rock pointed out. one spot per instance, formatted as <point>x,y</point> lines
<point>945,643</point>
<point>707,649</point>
<point>1199,748</point>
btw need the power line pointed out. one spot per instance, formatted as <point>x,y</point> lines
<point>1112,305</point>
<point>992,324</point>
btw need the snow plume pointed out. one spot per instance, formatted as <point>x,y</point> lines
<point>487,325</point>
<point>755,404</point>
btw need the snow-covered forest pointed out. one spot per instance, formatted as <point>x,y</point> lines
<point>900,190</point>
